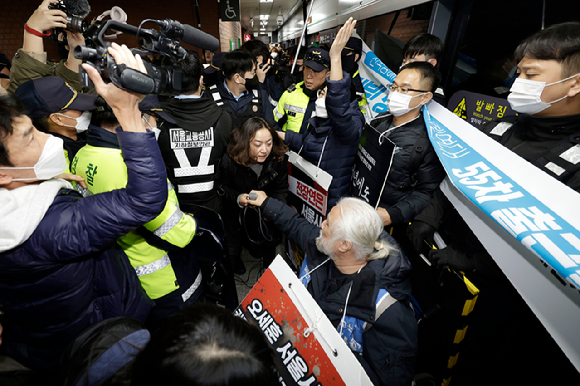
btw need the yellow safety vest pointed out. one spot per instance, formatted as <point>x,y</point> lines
<point>293,104</point>
<point>104,170</point>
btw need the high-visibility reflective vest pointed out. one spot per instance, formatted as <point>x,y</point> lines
<point>104,170</point>
<point>293,103</point>
<point>363,104</point>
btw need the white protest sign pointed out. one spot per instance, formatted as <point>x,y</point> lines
<point>309,350</point>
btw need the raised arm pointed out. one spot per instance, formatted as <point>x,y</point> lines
<point>93,222</point>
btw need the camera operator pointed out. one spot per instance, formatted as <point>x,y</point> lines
<point>30,62</point>
<point>243,93</point>
<point>58,271</point>
<point>193,146</point>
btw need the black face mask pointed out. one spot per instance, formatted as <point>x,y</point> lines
<point>348,64</point>
<point>253,83</point>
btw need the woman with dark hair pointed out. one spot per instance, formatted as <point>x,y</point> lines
<point>256,160</point>
<point>206,345</point>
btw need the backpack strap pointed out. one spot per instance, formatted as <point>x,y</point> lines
<point>384,301</point>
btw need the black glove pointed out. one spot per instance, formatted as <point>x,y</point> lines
<point>453,258</point>
<point>421,236</point>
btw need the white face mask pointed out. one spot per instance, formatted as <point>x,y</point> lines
<point>82,122</point>
<point>50,164</point>
<point>398,103</point>
<point>274,55</point>
<point>526,95</point>
<point>320,105</point>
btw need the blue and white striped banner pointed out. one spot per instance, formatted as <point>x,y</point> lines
<point>528,221</point>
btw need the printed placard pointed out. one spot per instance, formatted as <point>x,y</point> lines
<point>309,351</point>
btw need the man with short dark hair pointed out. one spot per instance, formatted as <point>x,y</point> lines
<point>243,93</point>
<point>415,170</point>
<point>296,104</point>
<point>428,48</point>
<point>193,146</point>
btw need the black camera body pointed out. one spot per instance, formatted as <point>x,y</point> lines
<point>74,23</point>
<point>164,79</point>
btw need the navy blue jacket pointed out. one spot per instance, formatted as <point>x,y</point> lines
<point>390,346</point>
<point>343,128</point>
<point>70,274</point>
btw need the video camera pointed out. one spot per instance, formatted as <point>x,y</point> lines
<point>74,23</point>
<point>164,79</point>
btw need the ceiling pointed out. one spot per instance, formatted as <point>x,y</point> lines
<point>252,9</point>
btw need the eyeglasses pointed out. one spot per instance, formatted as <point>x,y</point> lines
<point>316,58</point>
<point>403,90</point>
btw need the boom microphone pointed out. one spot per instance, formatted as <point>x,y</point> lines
<point>189,34</point>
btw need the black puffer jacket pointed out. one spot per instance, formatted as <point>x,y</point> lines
<point>66,275</point>
<point>236,179</point>
<point>334,138</point>
<point>390,346</point>
<point>404,195</point>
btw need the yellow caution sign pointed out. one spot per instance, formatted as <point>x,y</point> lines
<point>461,110</point>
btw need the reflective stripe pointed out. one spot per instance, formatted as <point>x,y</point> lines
<point>278,114</point>
<point>572,155</point>
<point>256,95</point>
<point>272,101</point>
<point>172,221</point>
<point>186,170</point>
<point>169,186</point>
<point>557,170</point>
<point>152,267</point>
<point>191,290</point>
<point>194,188</point>
<point>194,171</point>
<point>295,109</point>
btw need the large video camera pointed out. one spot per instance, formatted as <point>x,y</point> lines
<point>164,79</point>
<point>74,23</point>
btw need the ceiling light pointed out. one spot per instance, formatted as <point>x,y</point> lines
<point>266,1</point>
<point>264,17</point>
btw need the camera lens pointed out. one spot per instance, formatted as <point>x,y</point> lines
<point>76,24</point>
<point>86,54</point>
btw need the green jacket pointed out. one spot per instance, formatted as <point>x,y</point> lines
<point>27,66</point>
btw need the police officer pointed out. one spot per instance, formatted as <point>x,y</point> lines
<point>296,105</point>
<point>158,251</point>
<point>243,93</point>
<point>58,109</point>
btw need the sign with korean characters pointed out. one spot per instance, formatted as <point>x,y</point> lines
<point>372,165</point>
<point>528,221</point>
<point>478,109</point>
<point>307,194</point>
<point>309,351</point>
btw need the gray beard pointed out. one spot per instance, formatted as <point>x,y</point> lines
<point>323,246</point>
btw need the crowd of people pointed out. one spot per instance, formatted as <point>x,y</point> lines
<point>99,187</point>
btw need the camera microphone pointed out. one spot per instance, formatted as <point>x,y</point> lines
<point>189,34</point>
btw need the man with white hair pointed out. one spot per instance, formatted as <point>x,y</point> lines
<point>365,291</point>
